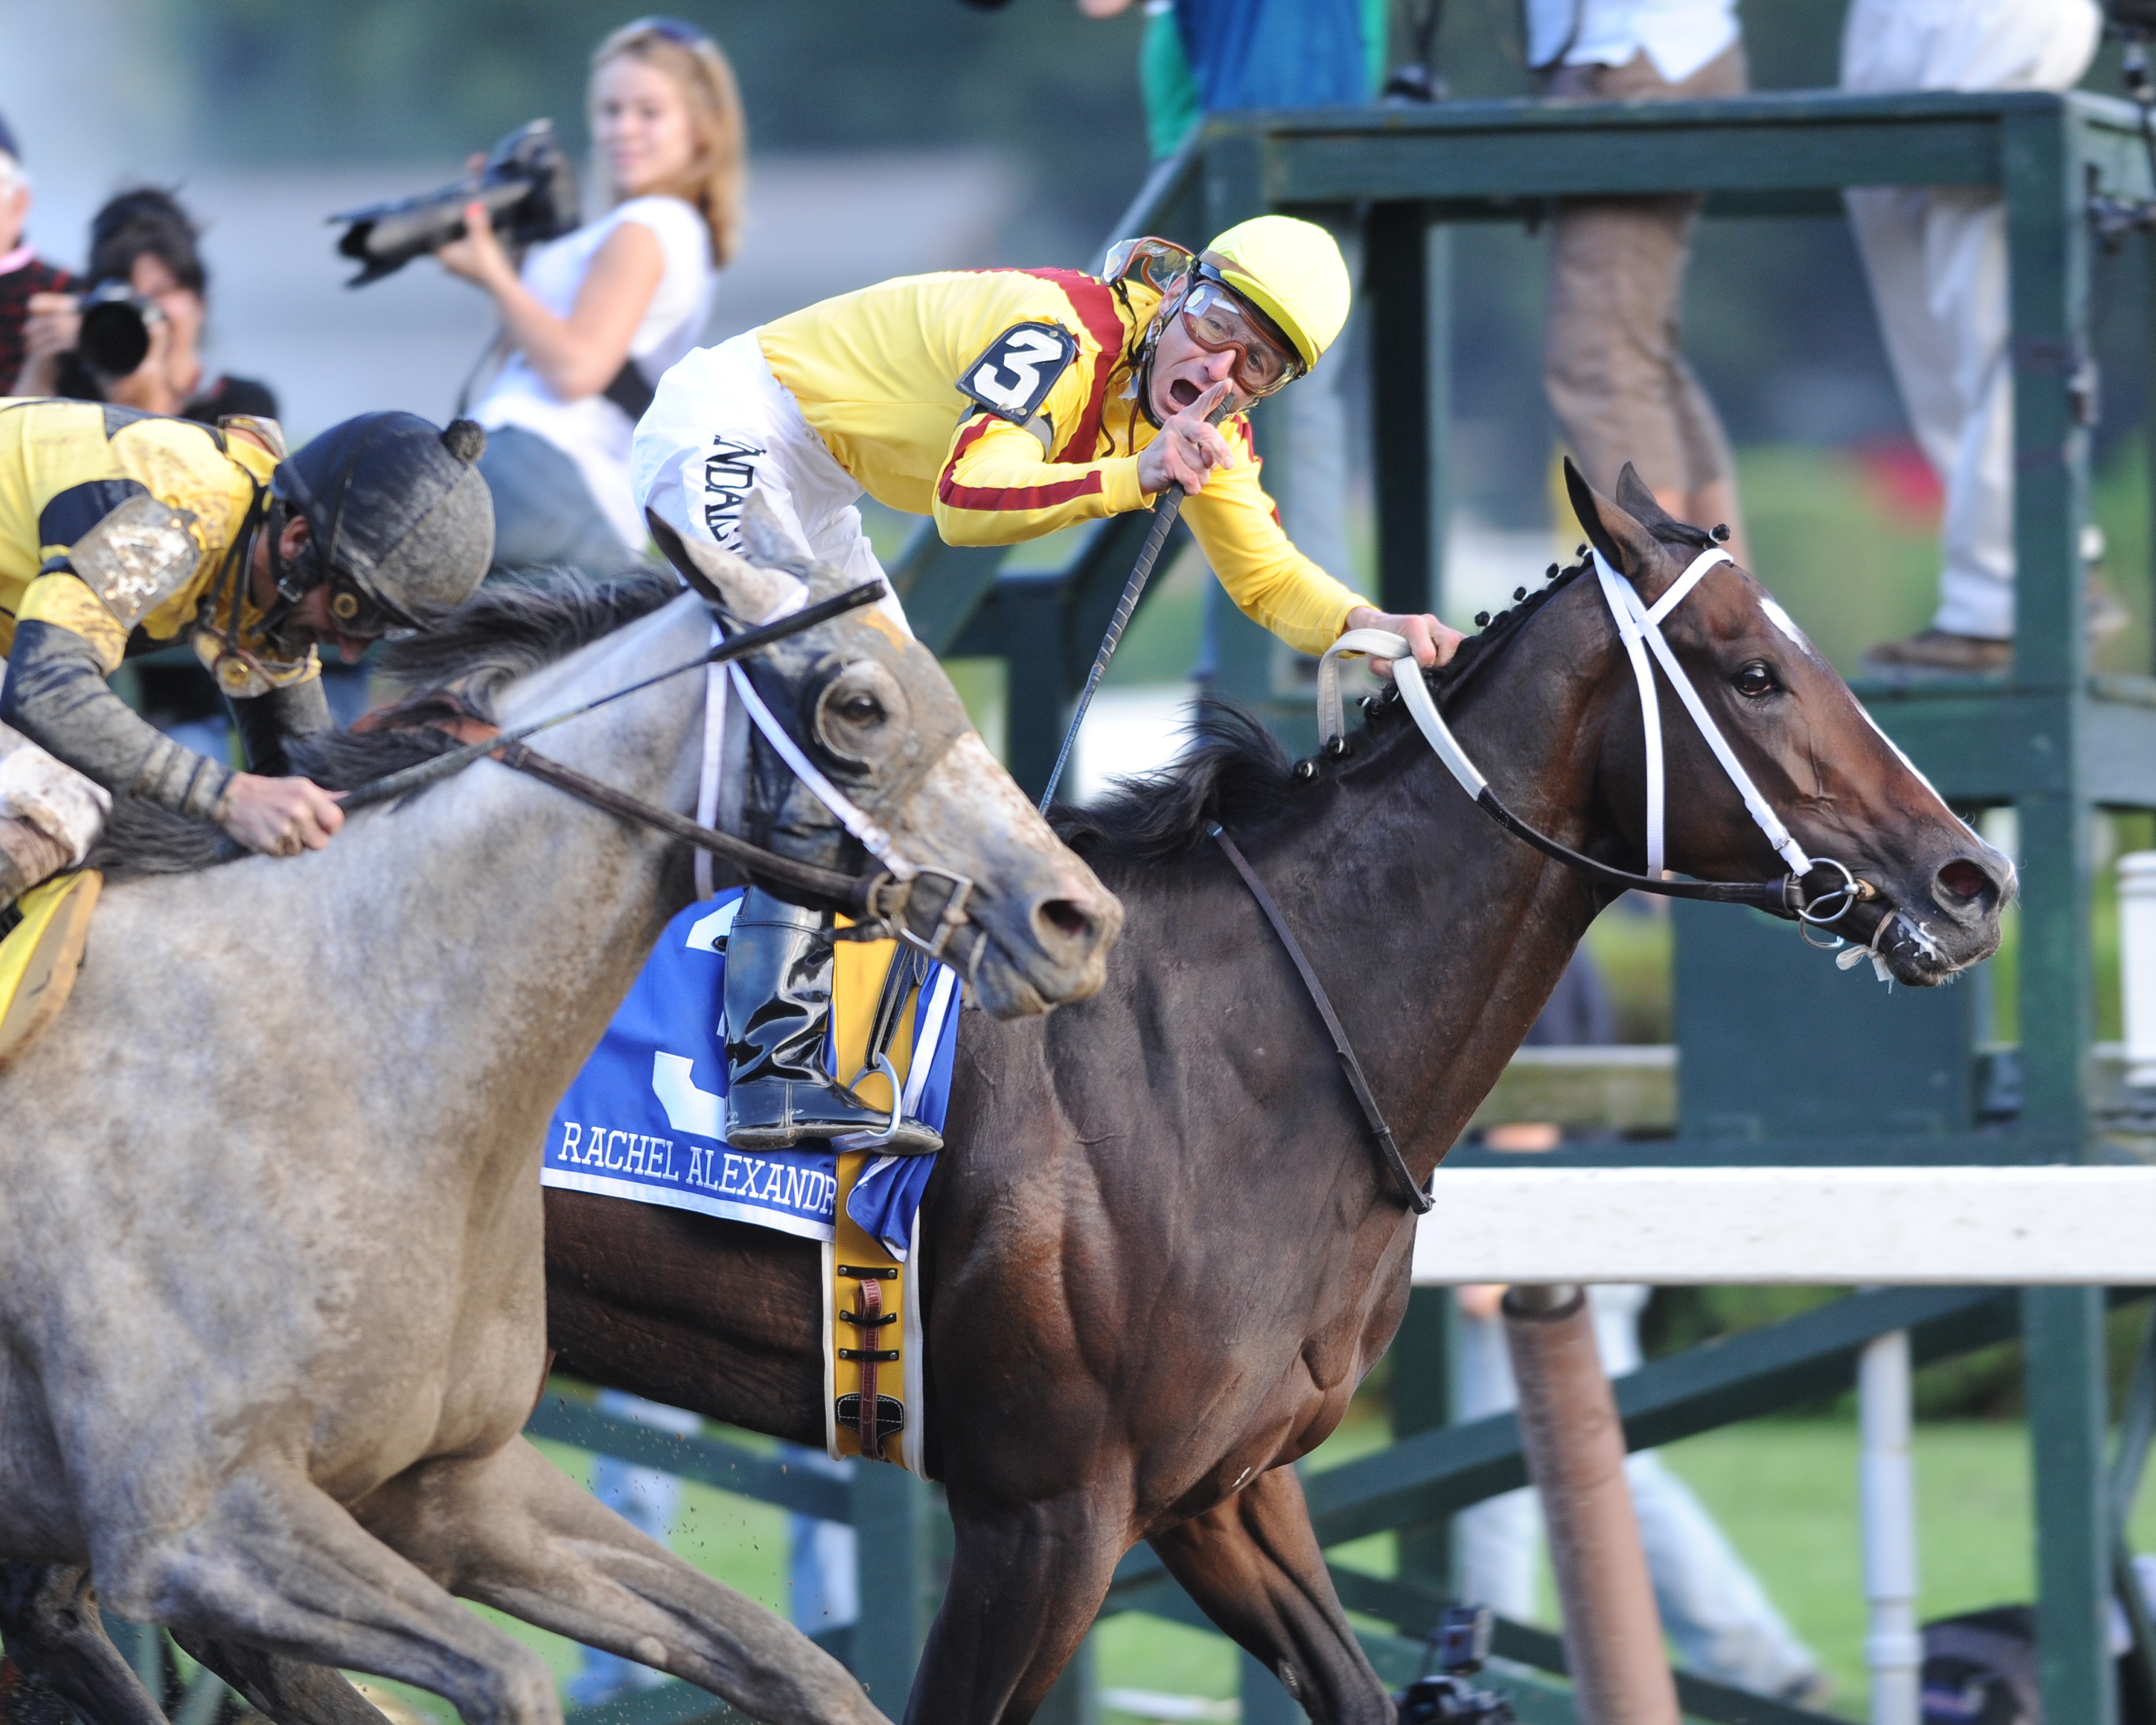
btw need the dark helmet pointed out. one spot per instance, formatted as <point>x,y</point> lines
<point>396,508</point>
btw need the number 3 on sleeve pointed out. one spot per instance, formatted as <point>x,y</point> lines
<point>1013,378</point>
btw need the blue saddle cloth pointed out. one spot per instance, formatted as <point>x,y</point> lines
<point>643,1119</point>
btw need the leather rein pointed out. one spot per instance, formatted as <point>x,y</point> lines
<point>882,905</point>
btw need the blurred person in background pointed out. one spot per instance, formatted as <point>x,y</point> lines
<point>646,1498</point>
<point>23,275</point>
<point>145,241</point>
<point>1201,57</point>
<point>1712,1606</point>
<point>592,320</point>
<point>1936,257</point>
<point>1613,361</point>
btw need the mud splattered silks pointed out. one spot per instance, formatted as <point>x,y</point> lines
<point>645,1118</point>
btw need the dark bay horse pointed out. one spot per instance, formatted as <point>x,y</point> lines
<point>1160,1252</point>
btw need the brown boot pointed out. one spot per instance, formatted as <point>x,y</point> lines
<point>1935,653</point>
<point>27,857</point>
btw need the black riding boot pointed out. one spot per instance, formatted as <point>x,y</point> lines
<point>779,1011</point>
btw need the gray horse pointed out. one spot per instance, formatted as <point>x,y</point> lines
<point>271,1302</point>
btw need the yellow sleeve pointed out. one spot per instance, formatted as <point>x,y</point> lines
<point>1272,584</point>
<point>997,486</point>
<point>66,601</point>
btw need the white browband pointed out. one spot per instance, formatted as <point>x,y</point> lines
<point>1639,628</point>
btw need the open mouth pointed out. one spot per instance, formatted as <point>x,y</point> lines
<point>1183,393</point>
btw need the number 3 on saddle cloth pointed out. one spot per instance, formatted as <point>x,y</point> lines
<point>643,1118</point>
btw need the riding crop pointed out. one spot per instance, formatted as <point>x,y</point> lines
<point>752,640</point>
<point>1164,513</point>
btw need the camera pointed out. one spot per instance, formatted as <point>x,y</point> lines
<point>1458,1646</point>
<point>114,337</point>
<point>528,185</point>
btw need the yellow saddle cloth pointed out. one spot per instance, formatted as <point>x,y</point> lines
<point>41,954</point>
<point>872,1321</point>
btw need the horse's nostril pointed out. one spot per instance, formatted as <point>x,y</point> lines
<point>1067,918</point>
<point>1964,879</point>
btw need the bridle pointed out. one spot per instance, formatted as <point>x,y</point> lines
<point>890,902</point>
<point>1639,626</point>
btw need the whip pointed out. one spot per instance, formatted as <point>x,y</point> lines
<point>1164,512</point>
<point>426,772</point>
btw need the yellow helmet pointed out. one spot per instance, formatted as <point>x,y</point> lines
<point>1292,271</point>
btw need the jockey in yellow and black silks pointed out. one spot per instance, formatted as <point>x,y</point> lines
<point>1004,404</point>
<point>121,530</point>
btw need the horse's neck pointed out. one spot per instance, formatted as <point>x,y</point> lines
<point>514,916</point>
<point>1439,935</point>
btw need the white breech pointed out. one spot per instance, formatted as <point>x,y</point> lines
<point>720,426</point>
<point>1936,256</point>
<point>56,799</point>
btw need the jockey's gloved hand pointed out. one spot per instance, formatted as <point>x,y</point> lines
<point>278,817</point>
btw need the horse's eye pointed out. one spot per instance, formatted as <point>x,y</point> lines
<point>861,709</point>
<point>1754,680</point>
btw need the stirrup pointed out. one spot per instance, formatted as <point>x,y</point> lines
<point>887,1140</point>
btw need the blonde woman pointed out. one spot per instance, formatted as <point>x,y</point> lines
<point>592,320</point>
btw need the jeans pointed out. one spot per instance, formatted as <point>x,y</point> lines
<point>544,517</point>
<point>1712,1605</point>
<point>646,1499</point>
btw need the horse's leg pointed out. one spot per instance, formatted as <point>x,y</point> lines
<point>276,1561</point>
<point>1253,1563</point>
<point>1025,1586</point>
<point>48,1615</point>
<point>510,1530</point>
<point>290,1691</point>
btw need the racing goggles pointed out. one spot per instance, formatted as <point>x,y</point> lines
<point>1217,318</point>
<point>354,611</point>
<point>1219,321</point>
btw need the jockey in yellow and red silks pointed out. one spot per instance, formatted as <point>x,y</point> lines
<point>1005,403</point>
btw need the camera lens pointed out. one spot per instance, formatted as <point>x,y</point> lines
<point>116,335</point>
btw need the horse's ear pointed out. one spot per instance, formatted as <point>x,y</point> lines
<point>1623,540</point>
<point>1636,500</point>
<point>765,538</point>
<point>725,582</point>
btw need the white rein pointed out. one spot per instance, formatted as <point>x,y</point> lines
<point>1639,626</point>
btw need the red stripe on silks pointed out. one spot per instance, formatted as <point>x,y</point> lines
<point>1095,302</point>
<point>948,490</point>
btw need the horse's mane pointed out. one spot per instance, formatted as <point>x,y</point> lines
<point>1235,774</point>
<point>454,667</point>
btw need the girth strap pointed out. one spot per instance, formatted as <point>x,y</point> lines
<point>1418,1199</point>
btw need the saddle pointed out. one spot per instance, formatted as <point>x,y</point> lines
<point>41,954</point>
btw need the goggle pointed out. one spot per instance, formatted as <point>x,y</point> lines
<point>1219,322</point>
<point>1217,319</point>
<point>353,611</point>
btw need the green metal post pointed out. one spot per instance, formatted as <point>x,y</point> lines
<point>1075,1699</point>
<point>1404,276</point>
<point>2062,1329</point>
<point>892,1512</point>
<point>1264,1701</point>
<point>1422,1358</point>
<point>2048,248</point>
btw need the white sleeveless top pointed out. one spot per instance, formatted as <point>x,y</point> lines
<point>593,433</point>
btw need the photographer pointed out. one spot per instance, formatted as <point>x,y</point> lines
<point>23,275</point>
<point>593,318</point>
<point>143,255</point>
